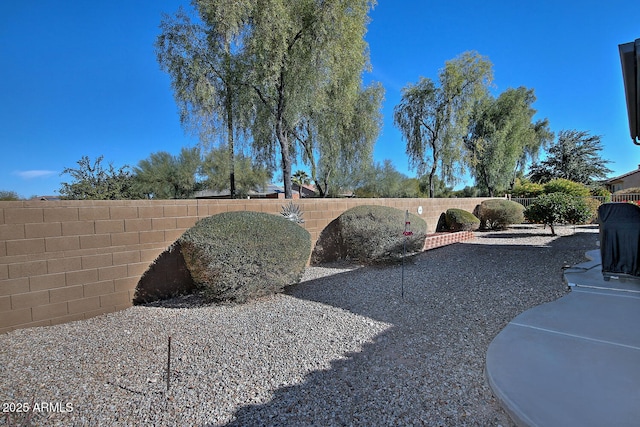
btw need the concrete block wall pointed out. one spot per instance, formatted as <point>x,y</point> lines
<point>71,260</point>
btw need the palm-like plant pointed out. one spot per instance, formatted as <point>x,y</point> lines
<point>300,178</point>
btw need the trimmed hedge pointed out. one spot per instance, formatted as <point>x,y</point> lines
<point>561,185</point>
<point>237,256</point>
<point>498,214</point>
<point>527,189</point>
<point>460,220</point>
<point>369,234</point>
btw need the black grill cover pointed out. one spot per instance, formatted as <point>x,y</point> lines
<point>620,238</point>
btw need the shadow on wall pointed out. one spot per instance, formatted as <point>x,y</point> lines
<point>167,277</point>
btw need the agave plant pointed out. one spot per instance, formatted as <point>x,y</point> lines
<point>293,213</point>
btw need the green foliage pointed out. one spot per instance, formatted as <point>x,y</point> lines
<point>460,220</point>
<point>502,137</point>
<point>339,139</point>
<point>248,174</point>
<point>385,181</point>
<point>498,214</point>
<point>287,73</point>
<point>6,196</point>
<point>237,256</point>
<point>558,208</point>
<point>527,189</point>
<point>206,74</point>
<point>165,176</point>
<point>467,191</point>
<point>592,205</point>
<point>369,234</point>
<point>93,182</point>
<point>561,185</point>
<point>599,191</point>
<point>300,178</point>
<point>434,119</point>
<point>575,156</point>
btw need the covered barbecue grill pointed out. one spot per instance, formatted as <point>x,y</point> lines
<point>619,239</point>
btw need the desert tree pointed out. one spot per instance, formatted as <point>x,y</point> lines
<point>279,58</point>
<point>574,156</point>
<point>201,59</point>
<point>502,138</point>
<point>433,118</point>
<point>91,181</point>
<point>339,138</point>
<point>166,176</point>
<point>250,175</point>
<point>306,58</point>
<point>8,195</point>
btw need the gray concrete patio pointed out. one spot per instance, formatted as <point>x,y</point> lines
<point>574,361</point>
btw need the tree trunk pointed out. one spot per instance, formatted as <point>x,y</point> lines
<point>230,141</point>
<point>432,188</point>
<point>286,158</point>
<point>228,101</point>
<point>283,137</point>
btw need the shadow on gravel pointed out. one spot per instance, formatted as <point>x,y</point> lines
<point>516,235</point>
<point>427,369</point>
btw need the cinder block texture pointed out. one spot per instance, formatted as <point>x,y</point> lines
<point>70,260</point>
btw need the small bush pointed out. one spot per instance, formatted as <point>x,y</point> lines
<point>593,205</point>
<point>498,214</point>
<point>460,220</point>
<point>561,185</point>
<point>558,208</point>
<point>601,192</point>
<point>236,256</point>
<point>369,234</point>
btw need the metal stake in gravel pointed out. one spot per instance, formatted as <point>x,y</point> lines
<point>168,363</point>
<point>406,233</point>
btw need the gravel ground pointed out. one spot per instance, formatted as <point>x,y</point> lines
<point>343,348</point>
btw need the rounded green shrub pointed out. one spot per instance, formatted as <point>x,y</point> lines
<point>237,256</point>
<point>561,185</point>
<point>369,234</point>
<point>558,208</point>
<point>601,192</point>
<point>460,220</point>
<point>498,214</point>
<point>527,190</point>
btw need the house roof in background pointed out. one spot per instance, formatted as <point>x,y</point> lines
<point>620,177</point>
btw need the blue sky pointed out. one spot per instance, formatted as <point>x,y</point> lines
<point>81,78</point>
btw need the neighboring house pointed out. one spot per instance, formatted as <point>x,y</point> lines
<point>271,191</point>
<point>47,198</point>
<point>622,182</point>
<point>308,190</point>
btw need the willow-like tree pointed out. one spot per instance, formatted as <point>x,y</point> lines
<point>307,58</point>
<point>285,54</point>
<point>503,138</point>
<point>339,138</point>
<point>434,119</point>
<point>206,75</point>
